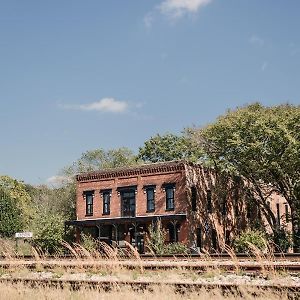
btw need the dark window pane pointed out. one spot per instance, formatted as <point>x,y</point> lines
<point>194,198</point>
<point>150,199</point>
<point>278,214</point>
<point>106,203</point>
<point>169,198</point>
<point>89,204</point>
<point>209,205</point>
<point>286,212</point>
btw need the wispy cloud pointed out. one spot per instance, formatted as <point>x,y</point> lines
<point>58,180</point>
<point>109,105</point>
<point>256,40</point>
<point>174,9</point>
<point>148,20</point>
<point>264,66</point>
<point>178,8</point>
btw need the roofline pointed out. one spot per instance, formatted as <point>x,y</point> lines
<point>161,167</point>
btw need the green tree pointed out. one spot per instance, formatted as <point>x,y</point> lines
<point>262,145</point>
<point>48,231</point>
<point>10,221</point>
<point>18,198</point>
<point>168,147</point>
<point>94,160</point>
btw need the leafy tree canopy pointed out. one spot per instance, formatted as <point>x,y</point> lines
<point>16,191</point>
<point>98,159</point>
<point>169,147</point>
<point>262,144</point>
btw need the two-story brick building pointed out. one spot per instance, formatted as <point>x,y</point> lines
<point>196,206</point>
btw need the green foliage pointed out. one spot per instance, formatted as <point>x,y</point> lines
<point>261,144</point>
<point>10,220</point>
<point>48,231</point>
<point>175,248</point>
<point>99,159</point>
<point>282,240</point>
<point>157,242</point>
<point>169,147</point>
<point>250,237</point>
<point>88,242</point>
<point>19,199</point>
<point>156,239</point>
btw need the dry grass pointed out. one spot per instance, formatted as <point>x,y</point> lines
<point>108,261</point>
<point>10,292</point>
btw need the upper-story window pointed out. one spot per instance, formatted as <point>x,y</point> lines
<point>150,196</point>
<point>194,198</point>
<point>89,197</point>
<point>106,196</point>
<point>209,204</point>
<point>170,195</point>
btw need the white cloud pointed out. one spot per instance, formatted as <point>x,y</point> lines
<point>58,180</point>
<point>104,105</point>
<point>148,20</point>
<point>178,8</point>
<point>256,40</point>
<point>264,66</point>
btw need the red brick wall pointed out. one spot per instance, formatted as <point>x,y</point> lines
<point>157,179</point>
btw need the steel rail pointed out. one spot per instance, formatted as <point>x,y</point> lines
<point>200,266</point>
<point>213,256</point>
<point>138,285</point>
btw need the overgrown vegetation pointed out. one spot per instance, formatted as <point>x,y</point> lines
<point>156,241</point>
<point>249,238</point>
<point>259,144</point>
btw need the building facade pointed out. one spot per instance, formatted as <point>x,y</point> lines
<point>195,205</point>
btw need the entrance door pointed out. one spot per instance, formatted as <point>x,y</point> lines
<point>137,240</point>
<point>128,203</point>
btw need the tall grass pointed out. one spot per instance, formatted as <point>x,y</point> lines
<point>22,292</point>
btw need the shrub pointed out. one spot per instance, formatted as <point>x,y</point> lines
<point>88,242</point>
<point>282,240</point>
<point>175,248</point>
<point>48,232</point>
<point>10,216</point>
<point>250,237</point>
<point>156,240</point>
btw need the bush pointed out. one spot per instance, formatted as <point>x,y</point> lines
<point>10,216</point>
<point>175,248</point>
<point>282,240</point>
<point>250,237</point>
<point>156,242</point>
<point>48,232</point>
<point>88,242</point>
<point>156,239</point>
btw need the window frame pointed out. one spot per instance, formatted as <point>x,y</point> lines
<point>89,206</point>
<point>148,188</point>
<point>104,194</point>
<point>170,186</point>
<point>194,198</point>
<point>209,201</point>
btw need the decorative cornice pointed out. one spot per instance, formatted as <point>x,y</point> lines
<point>133,171</point>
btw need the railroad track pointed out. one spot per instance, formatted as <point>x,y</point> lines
<point>199,266</point>
<point>177,257</point>
<point>138,285</point>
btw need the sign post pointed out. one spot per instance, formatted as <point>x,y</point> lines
<point>22,235</point>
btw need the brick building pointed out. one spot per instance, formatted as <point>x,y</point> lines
<point>196,206</point>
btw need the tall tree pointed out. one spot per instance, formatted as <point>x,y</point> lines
<point>10,220</point>
<point>169,147</point>
<point>99,159</point>
<point>262,144</point>
<point>18,198</point>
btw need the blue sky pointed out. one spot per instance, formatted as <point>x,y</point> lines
<point>79,75</point>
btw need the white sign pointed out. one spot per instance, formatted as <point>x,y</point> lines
<point>24,235</point>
